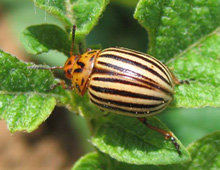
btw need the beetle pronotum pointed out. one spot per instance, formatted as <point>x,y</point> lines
<point>123,81</point>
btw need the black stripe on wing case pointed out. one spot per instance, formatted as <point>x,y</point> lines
<point>124,110</point>
<point>118,58</point>
<point>140,55</point>
<point>128,72</point>
<point>124,93</point>
<point>125,104</point>
<point>121,81</point>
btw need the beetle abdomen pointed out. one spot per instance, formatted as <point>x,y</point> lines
<point>130,83</point>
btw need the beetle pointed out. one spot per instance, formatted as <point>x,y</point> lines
<point>122,81</point>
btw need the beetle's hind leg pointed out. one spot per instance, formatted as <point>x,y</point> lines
<point>168,135</point>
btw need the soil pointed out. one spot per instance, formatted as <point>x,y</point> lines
<point>53,146</point>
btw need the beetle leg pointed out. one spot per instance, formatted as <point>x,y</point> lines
<point>166,134</point>
<point>63,84</point>
<point>178,82</point>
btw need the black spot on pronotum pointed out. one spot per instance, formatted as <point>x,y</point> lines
<point>69,71</point>
<point>92,58</point>
<point>78,70</point>
<point>80,64</point>
<point>69,62</point>
<point>82,82</point>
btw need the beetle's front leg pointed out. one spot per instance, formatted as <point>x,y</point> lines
<point>168,135</point>
<point>63,84</point>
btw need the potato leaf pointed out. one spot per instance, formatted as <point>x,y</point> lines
<point>42,38</point>
<point>200,62</point>
<point>26,97</point>
<point>84,13</point>
<point>174,25</point>
<point>128,140</point>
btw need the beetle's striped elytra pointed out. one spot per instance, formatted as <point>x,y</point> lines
<point>130,83</point>
<point>122,81</point>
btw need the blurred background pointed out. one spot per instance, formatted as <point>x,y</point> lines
<point>64,137</point>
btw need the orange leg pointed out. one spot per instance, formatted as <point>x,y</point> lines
<point>63,84</point>
<point>168,135</point>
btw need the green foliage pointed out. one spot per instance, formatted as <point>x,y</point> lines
<point>25,111</point>
<point>175,25</point>
<point>40,38</point>
<point>83,13</point>
<point>86,14</point>
<point>90,162</point>
<point>205,155</point>
<point>180,31</point>
<point>191,124</point>
<point>201,63</point>
<point>25,102</point>
<point>132,142</point>
<point>99,161</point>
<point>59,8</point>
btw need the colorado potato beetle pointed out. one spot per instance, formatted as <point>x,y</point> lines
<point>122,81</point>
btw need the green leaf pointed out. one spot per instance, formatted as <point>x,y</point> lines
<point>100,161</point>
<point>59,8</point>
<point>25,111</point>
<point>199,62</point>
<point>191,124</point>
<point>125,3</point>
<point>128,140</point>
<point>205,153</point>
<point>83,13</point>
<point>175,25</point>
<point>86,108</point>
<point>91,161</point>
<point>86,14</point>
<point>26,98</point>
<point>42,38</point>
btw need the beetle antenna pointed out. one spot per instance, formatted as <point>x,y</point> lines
<point>73,39</point>
<point>46,68</point>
